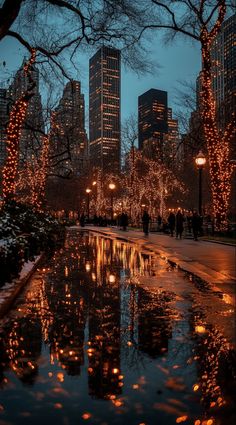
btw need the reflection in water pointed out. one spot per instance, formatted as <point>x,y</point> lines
<point>154,325</point>
<point>105,323</point>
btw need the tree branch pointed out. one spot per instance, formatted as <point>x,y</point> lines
<point>8,14</point>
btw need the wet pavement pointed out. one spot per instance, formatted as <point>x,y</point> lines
<point>105,333</point>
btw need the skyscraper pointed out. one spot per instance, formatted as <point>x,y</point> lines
<point>152,121</point>
<point>68,135</point>
<point>104,109</point>
<point>224,74</point>
<point>172,146</point>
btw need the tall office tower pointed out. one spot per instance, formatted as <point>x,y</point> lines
<point>104,109</point>
<point>172,147</point>
<point>31,134</point>
<point>4,117</point>
<point>68,135</point>
<point>224,74</point>
<point>152,122</point>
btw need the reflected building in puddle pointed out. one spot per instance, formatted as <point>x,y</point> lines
<point>104,378</point>
<point>154,323</point>
<point>68,306</point>
<point>22,346</point>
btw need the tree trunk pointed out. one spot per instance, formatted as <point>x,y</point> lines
<point>217,144</point>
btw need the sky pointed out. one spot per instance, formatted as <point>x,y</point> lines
<point>178,62</point>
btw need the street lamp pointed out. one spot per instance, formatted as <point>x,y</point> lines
<point>88,200</point>
<point>112,186</point>
<point>200,161</point>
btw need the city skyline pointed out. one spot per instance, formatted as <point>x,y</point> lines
<point>184,56</point>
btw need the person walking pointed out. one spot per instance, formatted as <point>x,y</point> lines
<point>145,220</point>
<point>124,221</point>
<point>179,221</point>
<point>171,223</point>
<point>196,225</point>
<point>82,220</point>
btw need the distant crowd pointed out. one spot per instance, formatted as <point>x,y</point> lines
<point>176,224</point>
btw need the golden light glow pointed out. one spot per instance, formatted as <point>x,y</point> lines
<point>112,186</point>
<point>200,329</point>
<point>112,278</point>
<point>200,159</point>
<point>181,419</point>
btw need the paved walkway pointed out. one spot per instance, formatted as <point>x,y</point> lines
<point>213,262</point>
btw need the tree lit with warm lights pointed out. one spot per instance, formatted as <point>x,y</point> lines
<point>17,117</point>
<point>201,22</point>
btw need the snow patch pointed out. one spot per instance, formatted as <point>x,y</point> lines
<point>8,288</point>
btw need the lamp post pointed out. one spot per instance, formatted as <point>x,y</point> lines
<point>200,161</point>
<point>88,200</point>
<point>112,187</point>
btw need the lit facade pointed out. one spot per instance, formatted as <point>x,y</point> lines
<point>68,135</point>
<point>152,121</point>
<point>224,74</point>
<point>104,109</point>
<point>172,146</point>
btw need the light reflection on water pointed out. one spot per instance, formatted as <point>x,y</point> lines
<point>106,334</point>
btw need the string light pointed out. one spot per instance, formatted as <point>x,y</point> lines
<point>217,142</point>
<point>17,117</point>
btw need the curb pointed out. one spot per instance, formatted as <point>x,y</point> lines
<point>218,242</point>
<point>18,287</point>
<point>187,267</point>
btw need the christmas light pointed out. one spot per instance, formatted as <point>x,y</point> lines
<point>17,117</point>
<point>217,142</point>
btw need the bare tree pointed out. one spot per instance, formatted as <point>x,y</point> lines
<point>53,27</point>
<point>54,30</point>
<point>201,22</point>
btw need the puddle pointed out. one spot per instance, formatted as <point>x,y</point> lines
<point>106,334</point>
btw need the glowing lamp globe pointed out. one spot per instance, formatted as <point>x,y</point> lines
<point>200,159</point>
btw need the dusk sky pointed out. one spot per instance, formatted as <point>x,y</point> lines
<point>178,62</point>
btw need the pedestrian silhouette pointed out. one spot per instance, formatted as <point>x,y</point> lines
<point>171,222</point>
<point>196,225</point>
<point>145,220</point>
<point>179,221</point>
<point>124,221</point>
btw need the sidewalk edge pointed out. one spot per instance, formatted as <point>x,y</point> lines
<point>19,285</point>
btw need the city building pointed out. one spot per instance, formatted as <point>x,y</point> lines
<point>4,117</point>
<point>172,147</point>
<point>68,134</point>
<point>152,121</point>
<point>158,131</point>
<point>224,71</point>
<point>104,109</point>
<point>33,127</point>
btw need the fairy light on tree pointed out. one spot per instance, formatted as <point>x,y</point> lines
<point>17,118</point>
<point>150,181</point>
<point>201,21</point>
<point>221,168</point>
<point>31,183</point>
<point>43,171</point>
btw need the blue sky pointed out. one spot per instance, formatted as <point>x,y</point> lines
<point>180,61</point>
